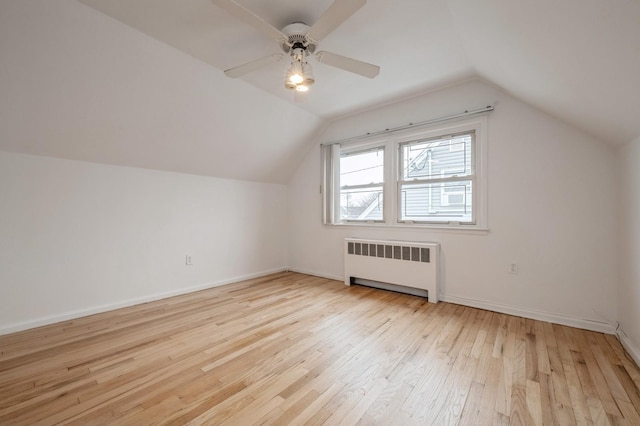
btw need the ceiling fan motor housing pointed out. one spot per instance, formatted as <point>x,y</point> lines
<point>297,38</point>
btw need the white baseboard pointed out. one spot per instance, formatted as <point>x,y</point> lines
<point>12,328</point>
<point>630,347</point>
<point>587,324</point>
<point>317,274</point>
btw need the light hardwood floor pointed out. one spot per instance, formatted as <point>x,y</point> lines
<point>295,349</point>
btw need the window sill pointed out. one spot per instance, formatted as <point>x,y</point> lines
<point>470,229</point>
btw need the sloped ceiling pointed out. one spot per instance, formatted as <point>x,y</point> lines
<point>140,83</point>
<point>411,40</point>
<point>576,59</point>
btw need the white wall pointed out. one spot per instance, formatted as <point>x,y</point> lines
<point>551,197</point>
<point>77,237</point>
<point>629,228</point>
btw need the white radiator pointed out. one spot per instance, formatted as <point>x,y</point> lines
<point>411,265</point>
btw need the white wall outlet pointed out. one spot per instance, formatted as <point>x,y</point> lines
<point>513,268</point>
<point>187,260</point>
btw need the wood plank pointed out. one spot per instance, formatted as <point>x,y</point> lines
<point>534,403</point>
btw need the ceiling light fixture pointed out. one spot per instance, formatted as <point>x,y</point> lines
<point>295,73</point>
<point>300,74</point>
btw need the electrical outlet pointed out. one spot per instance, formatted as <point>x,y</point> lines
<point>188,261</point>
<point>513,268</point>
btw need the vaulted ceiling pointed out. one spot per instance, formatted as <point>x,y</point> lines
<point>414,42</point>
<point>577,59</point>
<point>117,82</point>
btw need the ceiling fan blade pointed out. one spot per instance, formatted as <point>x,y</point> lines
<point>243,69</point>
<point>250,18</point>
<point>348,64</point>
<point>335,15</point>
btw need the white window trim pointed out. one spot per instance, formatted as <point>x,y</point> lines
<point>331,176</point>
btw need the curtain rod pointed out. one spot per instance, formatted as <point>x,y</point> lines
<point>411,125</point>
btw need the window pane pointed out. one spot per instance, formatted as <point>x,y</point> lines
<point>362,168</point>
<point>437,202</point>
<point>437,158</point>
<point>361,204</point>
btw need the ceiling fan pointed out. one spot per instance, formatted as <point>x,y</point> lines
<point>298,42</point>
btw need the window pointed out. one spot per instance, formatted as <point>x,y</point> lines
<point>361,185</point>
<point>436,179</point>
<point>431,177</point>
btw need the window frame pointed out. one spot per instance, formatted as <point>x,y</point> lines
<point>392,143</point>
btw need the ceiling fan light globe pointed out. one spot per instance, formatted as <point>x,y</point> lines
<point>307,75</point>
<point>289,85</point>
<point>308,80</point>
<point>302,88</point>
<point>296,78</point>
